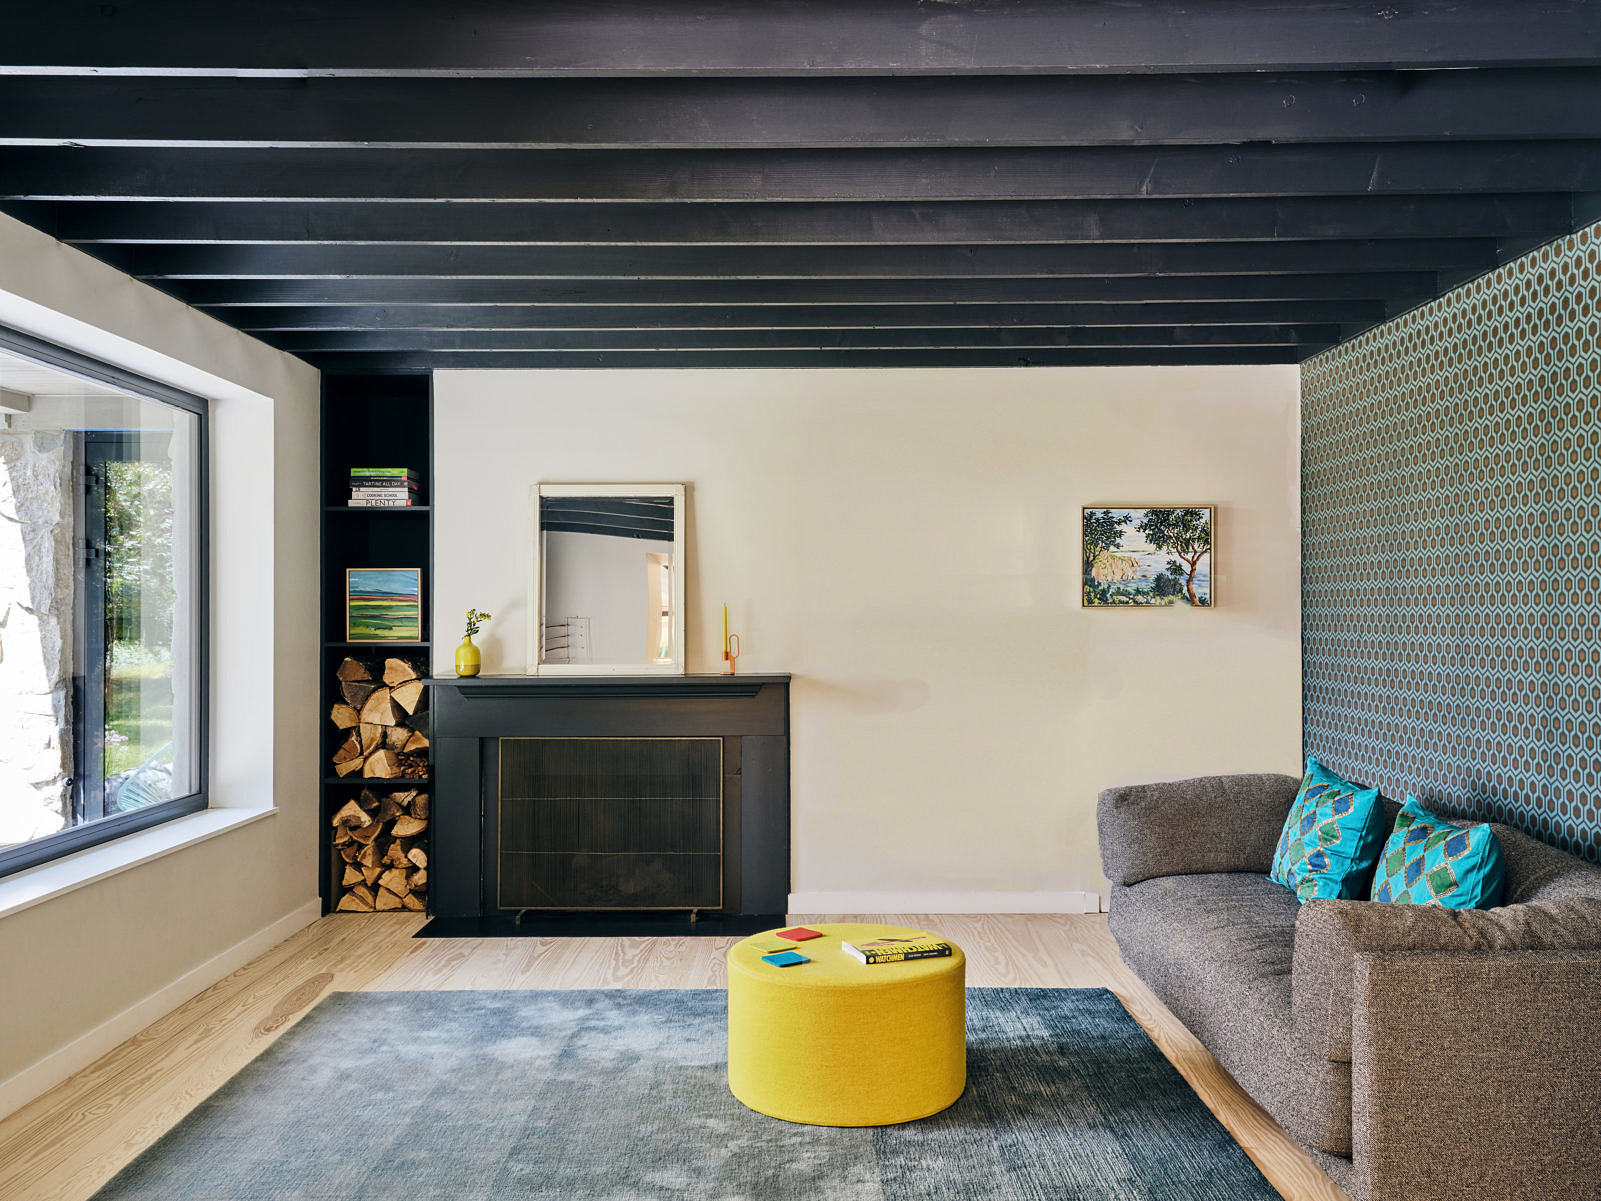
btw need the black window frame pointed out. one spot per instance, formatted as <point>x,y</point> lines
<point>107,829</point>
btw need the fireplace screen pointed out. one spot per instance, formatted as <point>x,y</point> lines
<point>610,823</point>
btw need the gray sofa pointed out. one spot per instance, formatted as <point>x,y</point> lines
<point>1419,1054</point>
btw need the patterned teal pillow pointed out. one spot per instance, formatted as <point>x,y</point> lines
<point>1428,861</point>
<point>1331,838</point>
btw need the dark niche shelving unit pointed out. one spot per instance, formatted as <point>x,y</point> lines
<point>369,420</point>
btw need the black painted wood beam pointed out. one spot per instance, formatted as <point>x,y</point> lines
<point>270,319</point>
<point>992,222</point>
<point>1354,169</point>
<point>310,261</point>
<point>566,37</point>
<point>801,339</point>
<point>845,112</point>
<point>213,293</point>
<point>956,357</point>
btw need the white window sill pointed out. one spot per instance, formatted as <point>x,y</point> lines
<point>39,884</point>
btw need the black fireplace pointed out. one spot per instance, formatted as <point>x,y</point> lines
<point>616,793</point>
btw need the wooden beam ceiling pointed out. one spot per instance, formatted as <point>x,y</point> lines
<point>401,184</point>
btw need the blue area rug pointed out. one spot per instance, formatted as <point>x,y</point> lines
<point>622,1094</point>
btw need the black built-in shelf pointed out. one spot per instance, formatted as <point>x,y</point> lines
<point>369,420</point>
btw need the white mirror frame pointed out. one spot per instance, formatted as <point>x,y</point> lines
<point>536,590</point>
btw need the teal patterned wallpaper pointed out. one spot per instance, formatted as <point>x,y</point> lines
<point>1451,549</point>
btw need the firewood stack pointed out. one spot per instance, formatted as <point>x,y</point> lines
<point>384,720</point>
<point>380,840</point>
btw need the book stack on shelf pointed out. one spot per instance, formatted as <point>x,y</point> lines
<point>383,488</point>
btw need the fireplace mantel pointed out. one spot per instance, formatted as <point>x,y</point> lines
<point>748,715</point>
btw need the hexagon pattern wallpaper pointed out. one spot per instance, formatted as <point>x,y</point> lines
<point>1451,550</point>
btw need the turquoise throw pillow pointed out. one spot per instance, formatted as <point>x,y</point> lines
<point>1331,838</point>
<point>1428,861</point>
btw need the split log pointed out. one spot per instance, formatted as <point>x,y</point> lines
<point>417,741</point>
<point>359,899</point>
<point>352,875</point>
<point>349,851</point>
<point>398,671</point>
<point>418,856</point>
<point>390,808</point>
<point>413,902</point>
<point>407,695</point>
<point>380,709</point>
<point>342,836</point>
<point>372,737</point>
<point>344,716</point>
<point>387,901</point>
<point>396,881</point>
<point>370,875</point>
<point>348,750</point>
<point>347,767</point>
<point>395,738</point>
<point>419,881</point>
<point>408,826</point>
<point>381,765</point>
<point>396,854</point>
<point>352,814</point>
<point>419,807</point>
<point>356,692</point>
<point>369,856</point>
<point>350,669</point>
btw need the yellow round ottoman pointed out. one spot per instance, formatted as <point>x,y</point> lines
<point>836,1042</point>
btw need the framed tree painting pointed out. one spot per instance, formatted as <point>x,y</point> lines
<point>1148,558</point>
<point>383,604</point>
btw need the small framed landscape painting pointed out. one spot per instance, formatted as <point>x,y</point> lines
<point>383,604</point>
<point>1146,558</point>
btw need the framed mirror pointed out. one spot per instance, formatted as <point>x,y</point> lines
<point>607,594</point>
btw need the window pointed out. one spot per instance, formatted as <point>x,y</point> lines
<point>102,602</point>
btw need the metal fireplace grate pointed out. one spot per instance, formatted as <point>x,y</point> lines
<point>610,823</point>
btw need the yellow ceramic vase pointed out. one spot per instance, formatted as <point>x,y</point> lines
<point>468,660</point>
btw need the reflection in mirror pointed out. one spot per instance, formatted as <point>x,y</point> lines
<point>609,587</point>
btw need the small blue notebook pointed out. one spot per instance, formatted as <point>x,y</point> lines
<point>785,959</point>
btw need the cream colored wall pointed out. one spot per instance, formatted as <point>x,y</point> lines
<point>79,968</point>
<point>905,542</point>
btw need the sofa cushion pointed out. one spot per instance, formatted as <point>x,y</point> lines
<point>1536,871</point>
<point>1331,837</point>
<point>1186,827</point>
<point>1428,860</point>
<point>1330,934</point>
<point>1218,950</point>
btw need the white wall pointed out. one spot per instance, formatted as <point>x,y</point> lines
<point>86,969</point>
<point>905,542</point>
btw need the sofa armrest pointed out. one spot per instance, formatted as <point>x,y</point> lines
<point>1477,1075</point>
<point>1210,824</point>
<point>1329,935</point>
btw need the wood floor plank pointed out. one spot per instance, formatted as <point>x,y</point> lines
<point>68,1142</point>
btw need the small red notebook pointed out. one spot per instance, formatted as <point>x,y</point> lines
<point>799,934</point>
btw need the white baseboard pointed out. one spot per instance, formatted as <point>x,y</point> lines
<point>45,1074</point>
<point>944,902</point>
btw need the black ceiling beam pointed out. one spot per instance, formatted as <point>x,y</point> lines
<point>704,113</point>
<point>994,222</point>
<point>219,293</point>
<point>954,357</point>
<point>565,37</point>
<point>307,261</point>
<point>775,339</point>
<point>277,318</point>
<point>1329,169</point>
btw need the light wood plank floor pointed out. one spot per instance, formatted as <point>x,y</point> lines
<point>68,1142</point>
